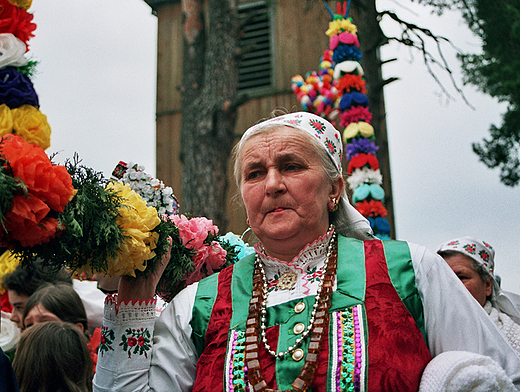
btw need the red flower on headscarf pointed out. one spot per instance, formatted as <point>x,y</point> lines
<point>16,21</point>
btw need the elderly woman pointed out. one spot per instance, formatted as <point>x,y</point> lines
<point>473,262</point>
<point>321,306</point>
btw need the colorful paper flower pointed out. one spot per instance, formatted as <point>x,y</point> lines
<point>354,98</point>
<point>16,89</point>
<point>6,120</point>
<point>346,52</point>
<point>8,263</point>
<point>361,160</point>
<point>32,125</point>
<point>22,3</point>
<point>364,175</point>
<point>362,145</point>
<point>371,208</point>
<point>193,232</point>
<point>16,21</point>
<point>355,114</point>
<point>152,190</point>
<point>207,260</point>
<point>358,128</point>
<point>349,82</point>
<point>137,222</point>
<point>243,248</point>
<point>340,25</point>
<point>50,183</point>
<point>47,187</point>
<point>12,50</point>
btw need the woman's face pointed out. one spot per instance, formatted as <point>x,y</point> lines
<point>39,314</point>
<point>18,301</point>
<point>285,191</point>
<point>461,265</point>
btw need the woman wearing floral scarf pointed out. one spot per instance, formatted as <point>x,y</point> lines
<point>474,262</point>
<point>322,305</point>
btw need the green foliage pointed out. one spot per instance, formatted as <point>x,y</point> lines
<point>91,233</point>
<point>501,150</point>
<point>29,69</point>
<point>495,72</point>
<point>10,187</point>
<point>181,262</point>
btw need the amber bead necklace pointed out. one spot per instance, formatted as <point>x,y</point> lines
<point>317,325</point>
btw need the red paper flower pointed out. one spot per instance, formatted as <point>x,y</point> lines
<point>351,82</point>
<point>355,114</point>
<point>372,208</point>
<point>16,21</point>
<point>50,183</point>
<point>49,188</point>
<point>361,160</point>
<point>27,222</point>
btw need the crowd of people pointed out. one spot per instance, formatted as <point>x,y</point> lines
<point>321,305</point>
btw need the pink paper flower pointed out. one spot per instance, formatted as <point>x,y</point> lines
<point>207,259</point>
<point>194,231</point>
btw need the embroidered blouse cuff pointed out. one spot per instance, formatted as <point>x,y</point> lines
<point>129,311</point>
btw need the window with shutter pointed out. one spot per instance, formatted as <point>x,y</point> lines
<point>255,71</point>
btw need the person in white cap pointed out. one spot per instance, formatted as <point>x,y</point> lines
<point>473,261</point>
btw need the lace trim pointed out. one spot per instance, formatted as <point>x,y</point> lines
<point>129,311</point>
<point>308,254</point>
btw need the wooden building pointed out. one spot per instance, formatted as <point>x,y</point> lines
<point>289,39</point>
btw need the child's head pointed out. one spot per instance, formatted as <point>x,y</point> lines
<point>53,356</point>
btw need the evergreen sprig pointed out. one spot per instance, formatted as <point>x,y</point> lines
<point>90,232</point>
<point>9,187</point>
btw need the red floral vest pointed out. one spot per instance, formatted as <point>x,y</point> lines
<point>396,348</point>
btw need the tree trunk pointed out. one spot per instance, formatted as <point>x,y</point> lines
<point>208,106</point>
<point>371,39</point>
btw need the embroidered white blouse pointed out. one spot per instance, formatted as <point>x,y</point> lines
<point>454,321</point>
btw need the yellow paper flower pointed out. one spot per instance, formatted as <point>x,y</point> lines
<point>8,263</point>
<point>32,125</point>
<point>137,221</point>
<point>354,128</point>
<point>339,26</point>
<point>6,120</point>
<point>21,3</point>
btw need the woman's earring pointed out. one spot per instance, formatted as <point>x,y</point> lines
<point>247,222</point>
<point>335,205</point>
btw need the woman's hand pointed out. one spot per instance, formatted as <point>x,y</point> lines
<point>142,288</point>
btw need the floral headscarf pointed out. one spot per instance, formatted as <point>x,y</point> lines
<point>330,140</point>
<point>312,124</point>
<point>479,251</point>
<point>484,255</point>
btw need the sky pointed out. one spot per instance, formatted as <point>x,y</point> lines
<point>96,81</point>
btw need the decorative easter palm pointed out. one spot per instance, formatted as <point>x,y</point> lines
<point>70,215</point>
<point>337,92</point>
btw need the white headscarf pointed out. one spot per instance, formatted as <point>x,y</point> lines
<point>330,140</point>
<point>484,255</point>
